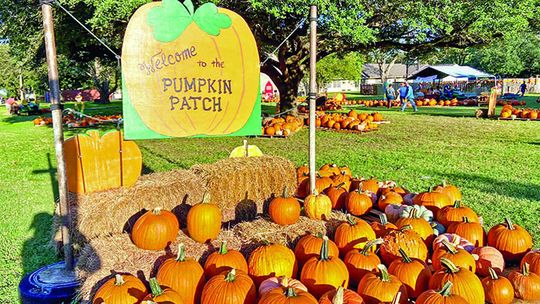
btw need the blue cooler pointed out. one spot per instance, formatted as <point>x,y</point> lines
<point>51,284</point>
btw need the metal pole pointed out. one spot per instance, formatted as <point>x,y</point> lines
<point>56,110</point>
<point>312,93</point>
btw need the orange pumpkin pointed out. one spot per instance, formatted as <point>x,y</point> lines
<point>404,238</point>
<point>337,195</point>
<point>418,225</point>
<point>511,240</point>
<point>413,273</point>
<point>341,295</point>
<point>342,179</point>
<point>271,260</point>
<point>381,287</point>
<point>184,275</point>
<point>318,206</point>
<point>473,232</point>
<point>361,262</point>
<point>279,282</point>
<point>444,296</point>
<point>155,229</point>
<point>120,289</point>
<point>163,295</point>
<point>284,210</point>
<point>204,220</point>
<point>466,283</point>
<point>488,257</point>
<point>383,227</point>
<point>353,233</point>
<point>526,284</point>
<point>533,259</point>
<point>389,198</point>
<point>450,190</point>
<point>454,214</point>
<point>287,296</point>
<point>498,290</point>
<point>323,273</point>
<point>459,256</point>
<point>434,201</point>
<point>224,287</point>
<point>358,203</point>
<point>224,259</point>
<point>310,246</point>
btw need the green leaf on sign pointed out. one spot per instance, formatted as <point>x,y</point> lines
<point>169,20</point>
<point>210,20</point>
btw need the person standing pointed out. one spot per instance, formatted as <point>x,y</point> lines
<point>406,94</point>
<point>390,95</point>
<point>523,88</point>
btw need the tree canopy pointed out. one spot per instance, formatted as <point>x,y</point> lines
<point>336,67</point>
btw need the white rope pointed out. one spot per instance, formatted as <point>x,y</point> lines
<point>298,25</point>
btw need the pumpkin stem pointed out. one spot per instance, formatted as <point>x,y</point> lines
<point>155,288</point>
<point>450,267</point>
<point>351,220</point>
<point>324,249</point>
<point>231,276</point>
<point>444,183</point>
<point>385,277</point>
<point>340,185</point>
<point>338,298</point>
<point>451,248</point>
<point>206,198</point>
<point>404,255</point>
<point>405,228</point>
<point>320,235</point>
<point>457,204</point>
<point>118,280</point>
<point>525,269</point>
<point>285,192</point>
<point>315,192</point>
<point>157,210</point>
<point>371,244</point>
<point>466,219</point>
<point>429,189</point>
<point>509,223</point>
<point>446,290</point>
<point>181,256</point>
<point>290,293</point>
<point>318,174</point>
<point>493,274</point>
<point>383,218</point>
<point>223,247</point>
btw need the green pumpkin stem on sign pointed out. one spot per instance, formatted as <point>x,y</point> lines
<point>493,274</point>
<point>446,290</point>
<point>155,288</point>
<point>223,247</point>
<point>385,276</point>
<point>509,223</point>
<point>324,249</point>
<point>290,293</point>
<point>404,255</point>
<point>118,280</point>
<point>449,266</point>
<point>451,248</point>
<point>181,256</point>
<point>370,244</point>
<point>231,276</point>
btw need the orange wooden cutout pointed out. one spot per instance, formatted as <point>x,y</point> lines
<point>95,163</point>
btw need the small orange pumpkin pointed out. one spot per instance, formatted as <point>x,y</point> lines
<point>361,262</point>
<point>318,206</point>
<point>310,246</point>
<point>353,233</point>
<point>466,283</point>
<point>155,229</point>
<point>224,259</point>
<point>204,220</point>
<point>120,289</point>
<point>271,260</point>
<point>473,232</point>
<point>358,203</point>
<point>498,290</point>
<point>383,227</point>
<point>284,210</point>
<point>162,295</point>
<point>225,286</point>
<point>381,287</point>
<point>526,284</point>
<point>533,258</point>
<point>413,273</point>
<point>511,240</point>
<point>444,296</point>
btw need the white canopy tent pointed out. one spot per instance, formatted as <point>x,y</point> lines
<point>447,73</point>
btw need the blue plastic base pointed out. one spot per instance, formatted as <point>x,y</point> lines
<point>51,284</point>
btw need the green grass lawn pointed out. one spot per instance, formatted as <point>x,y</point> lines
<point>496,164</point>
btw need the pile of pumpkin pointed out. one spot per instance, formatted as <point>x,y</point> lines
<point>351,121</point>
<point>406,256</point>
<point>282,126</point>
<point>42,121</point>
<point>510,112</point>
<point>330,105</point>
<point>433,102</point>
<point>502,102</point>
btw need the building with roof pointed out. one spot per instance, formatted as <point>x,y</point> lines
<point>398,72</point>
<point>449,73</point>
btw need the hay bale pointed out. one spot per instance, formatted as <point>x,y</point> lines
<point>116,210</point>
<point>106,255</point>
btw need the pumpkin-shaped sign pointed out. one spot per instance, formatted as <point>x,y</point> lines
<point>95,163</point>
<point>189,72</point>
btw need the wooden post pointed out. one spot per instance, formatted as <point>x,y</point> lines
<point>492,101</point>
<point>56,110</point>
<point>312,92</point>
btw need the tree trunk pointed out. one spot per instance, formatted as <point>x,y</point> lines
<point>104,92</point>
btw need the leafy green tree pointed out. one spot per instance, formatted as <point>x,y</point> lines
<point>335,67</point>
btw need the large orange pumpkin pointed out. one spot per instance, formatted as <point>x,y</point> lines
<point>498,290</point>
<point>454,214</point>
<point>418,225</point>
<point>382,227</point>
<point>342,296</point>
<point>204,220</point>
<point>413,273</point>
<point>229,287</point>
<point>511,240</point>
<point>155,229</point>
<point>459,256</point>
<point>271,260</point>
<point>310,246</point>
<point>284,210</point>
<point>224,259</point>
<point>122,289</point>
<point>361,262</point>
<point>323,273</point>
<point>526,284</point>
<point>337,195</point>
<point>533,258</point>
<point>288,295</point>
<point>318,206</point>
<point>162,295</point>
<point>450,190</point>
<point>353,233</point>
<point>358,203</point>
<point>466,283</point>
<point>182,274</point>
<point>96,163</point>
<point>434,201</point>
<point>155,57</point>
<point>279,282</point>
<point>382,287</point>
<point>444,296</point>
<point>473,232</point>
<point>406,239</point>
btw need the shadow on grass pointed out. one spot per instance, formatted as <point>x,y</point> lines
<point>12,119</point>
<point>37,251</point>
<point>485,184</point>
<point>52,175</point>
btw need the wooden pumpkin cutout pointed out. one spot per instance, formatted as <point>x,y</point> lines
<point>95,163</point>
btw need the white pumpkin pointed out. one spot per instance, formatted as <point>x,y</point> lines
<point>418,212</point>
